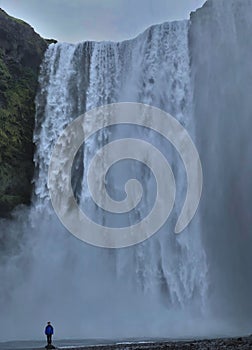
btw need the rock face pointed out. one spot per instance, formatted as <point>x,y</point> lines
<point>21,52</point>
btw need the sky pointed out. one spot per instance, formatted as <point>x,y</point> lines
<point>80,20</point>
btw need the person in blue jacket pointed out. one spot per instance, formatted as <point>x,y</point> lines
<point>49,333</point>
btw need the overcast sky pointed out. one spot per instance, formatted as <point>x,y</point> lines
<point>80,20</point>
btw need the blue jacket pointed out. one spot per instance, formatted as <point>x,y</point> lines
<point>49,330</point>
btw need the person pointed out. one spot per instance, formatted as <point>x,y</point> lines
<point>49,333</point>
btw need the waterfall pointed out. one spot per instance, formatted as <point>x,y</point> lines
<point>221,76</point>
<point>169,285</point>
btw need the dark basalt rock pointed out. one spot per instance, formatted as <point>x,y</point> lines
<point>50,347</point>
<point>21,53</point>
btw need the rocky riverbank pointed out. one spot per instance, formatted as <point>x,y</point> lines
<point>242,343</point>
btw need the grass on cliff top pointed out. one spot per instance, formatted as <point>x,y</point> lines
<point>20,21</point>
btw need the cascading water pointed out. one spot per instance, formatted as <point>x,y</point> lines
<point>160,276</point>
<point>158,288</point>
<point>220,49</point>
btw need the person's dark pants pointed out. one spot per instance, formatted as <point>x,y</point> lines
<point>49,339</point>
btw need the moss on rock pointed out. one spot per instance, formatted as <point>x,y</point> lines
<point>21,53</point>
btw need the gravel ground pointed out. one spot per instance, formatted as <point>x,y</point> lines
<point>244,343</point>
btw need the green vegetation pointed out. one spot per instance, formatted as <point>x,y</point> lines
<point>19,21</point>
<point>21,52</point>
<point>17,91</point>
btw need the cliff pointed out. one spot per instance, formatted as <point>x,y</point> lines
<point>21,53</point>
